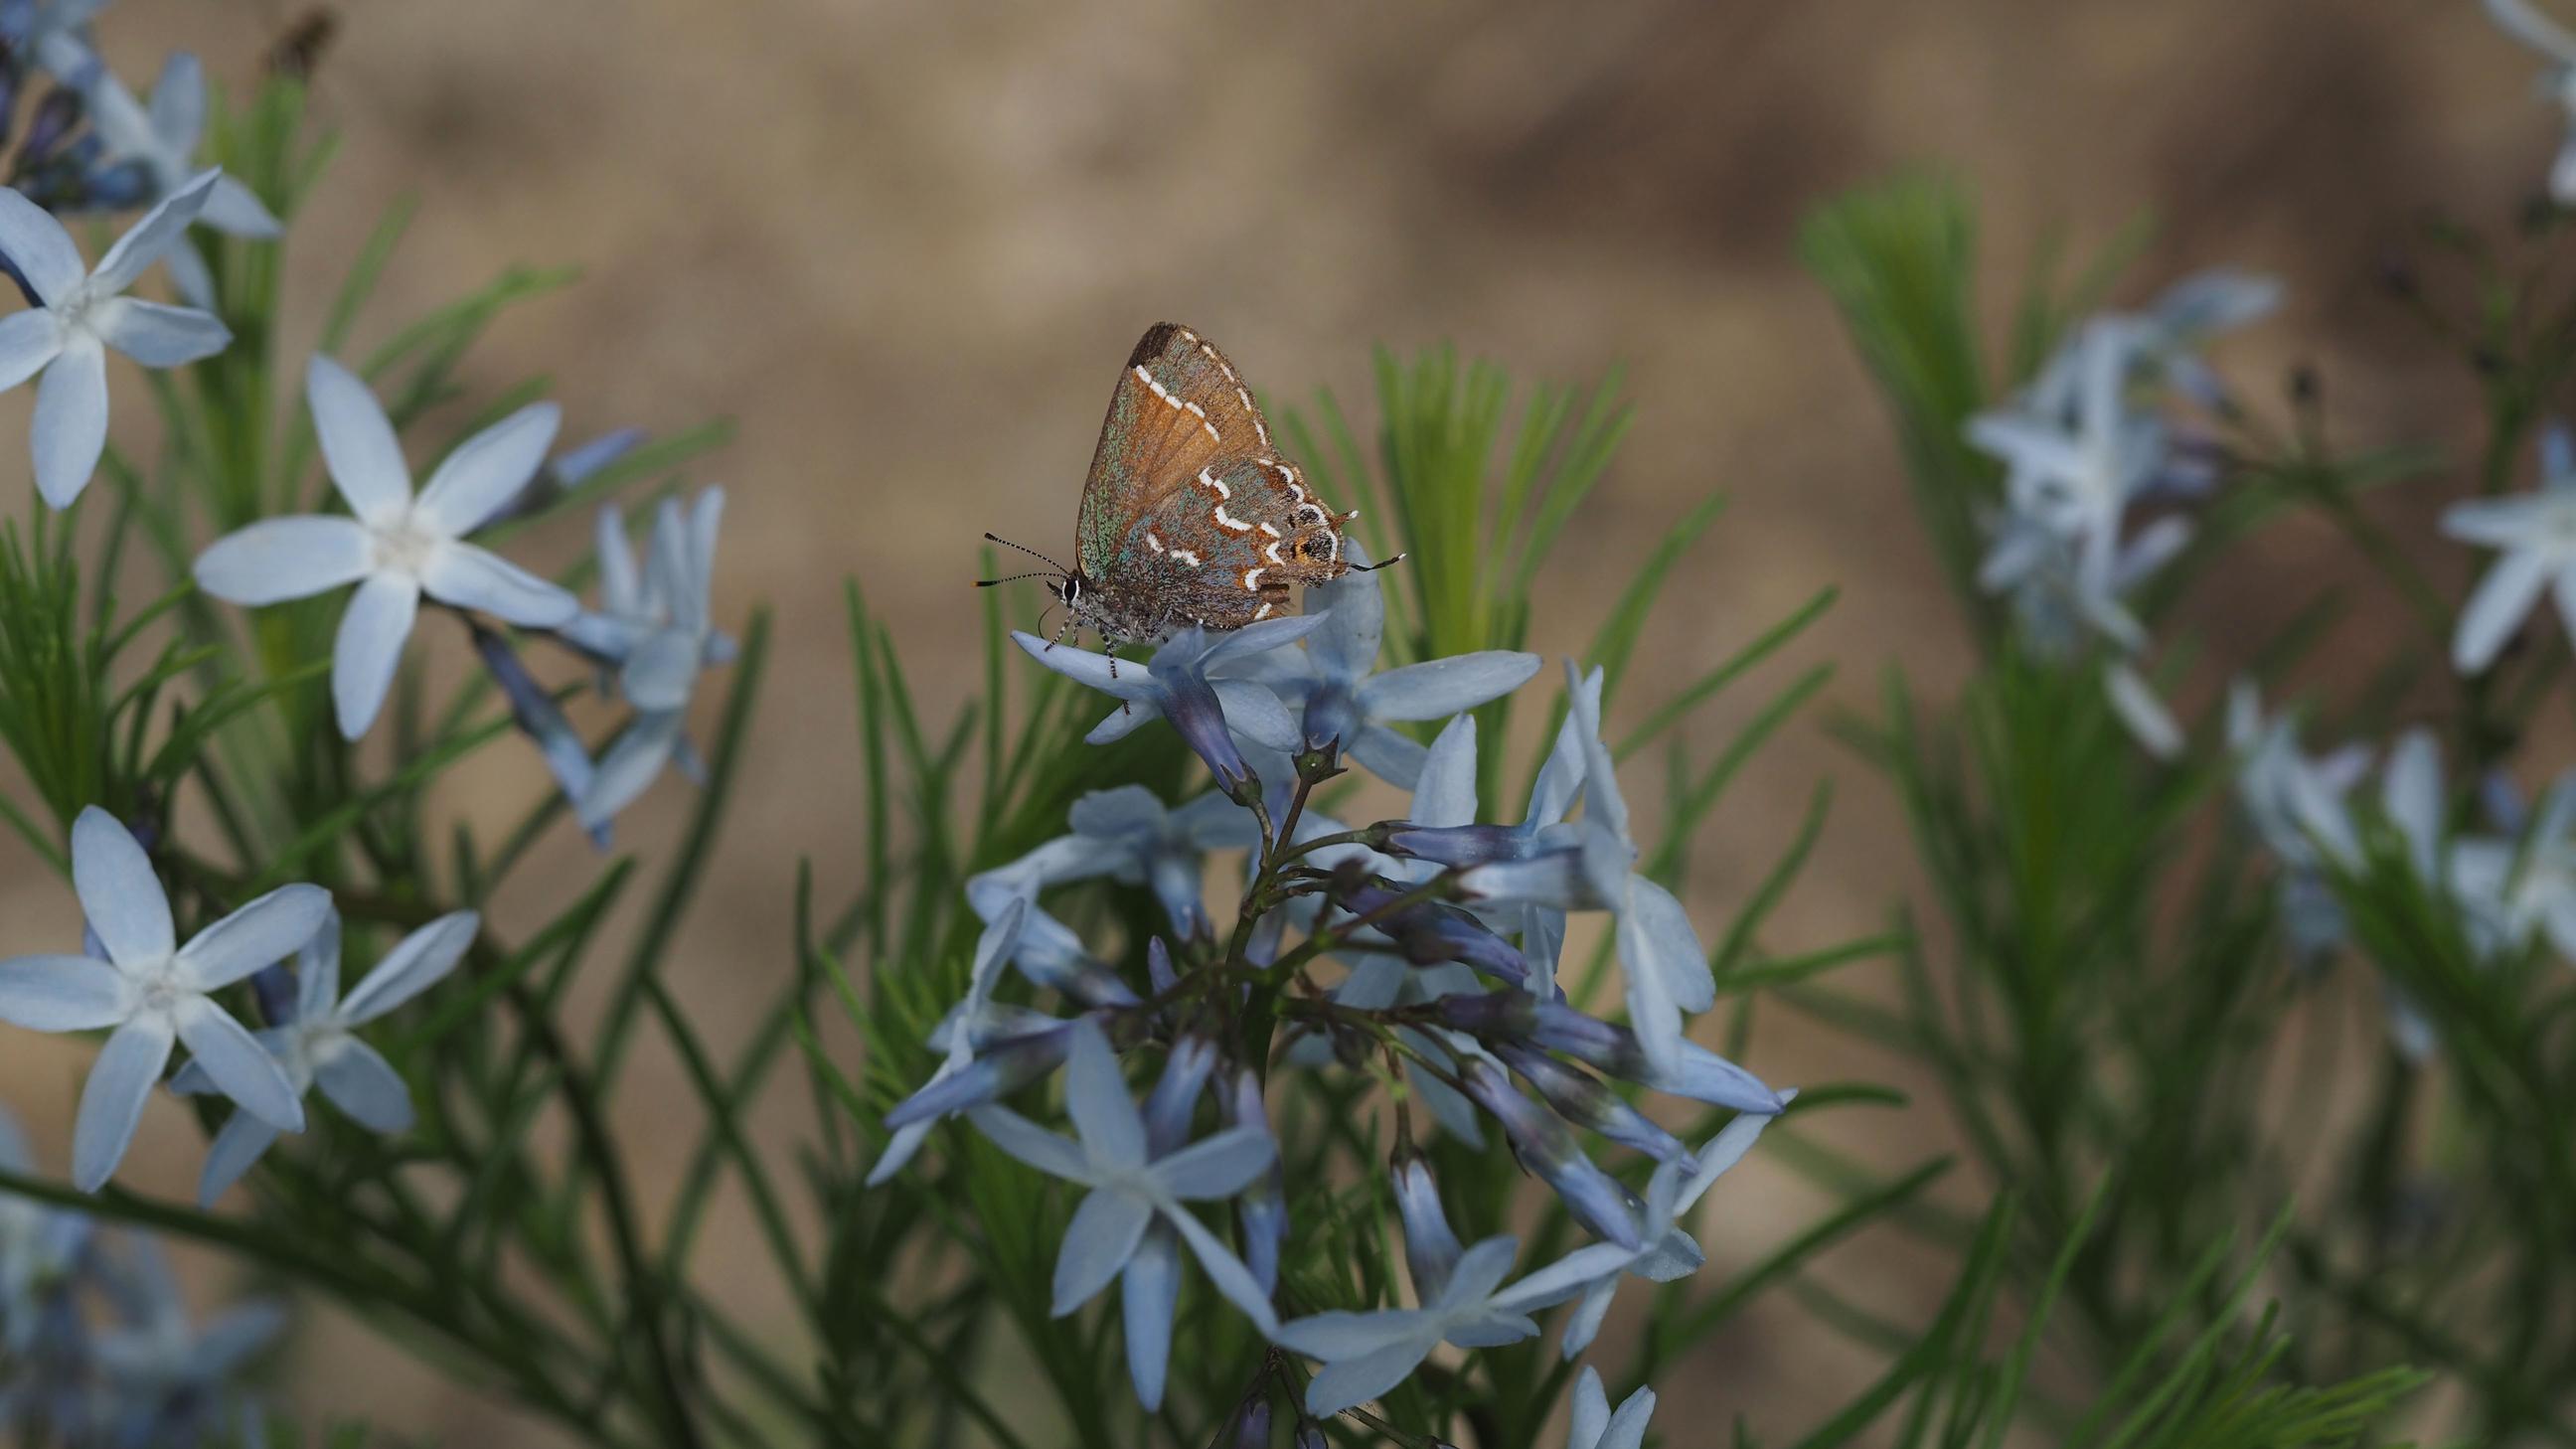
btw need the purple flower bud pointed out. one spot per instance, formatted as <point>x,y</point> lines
<point>1252,1425</point>
<point>1176,1094</point>
<point>1159,975</point>
<point>540,719</point>
<point>1701,1075</point>
<point>1434,931</point>
<point>1460,845</point>
<point>274,988</point>
<point>574,467</point>
<point>994,1075</point>
<point>1430,1248</point>
<point>1310,1435</point>
<point>1198,717</point>
<point>1598,1201</point>
<point>1580,1099</point>
<point>56,114</point>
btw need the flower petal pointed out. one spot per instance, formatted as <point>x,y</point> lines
<point>237,1064</point>
<point>235,210</point>
<point>118,892</point>
<point>144,242</point>
<point>488,470</point>
<point>1017,1135</point>
<point>621,590</point>
<point>360,1082</point>
<point>422,959</point>
<point>661,670</point>
<point>38,246</point>
<point>474,578</point>
<point>28,340</point>
<point>128,1068</point>
<point>1253,712</point>
<point>277,559</point>
<point>358,443</point>
<point>1591,1410</point>
<point>1438,688</point>
<point>629,768</point>
<point>1097,1243</point>
<point>190,277</point>
<point>2503,598</point>
<point>1226,1272</point>
<point>61,993</point>
<point>1095,1096</point>
<point>1444,793</point>
<point>1148,1291</point>
<point>156,334</point>
<point>241,1143</point>
<point>70,430</point>
<point>268,930</point>
<point>370,648</point>
<point>179,104</point>
<point>1216,1166</point>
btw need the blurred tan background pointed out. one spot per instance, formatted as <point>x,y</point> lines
<point>906,246</point>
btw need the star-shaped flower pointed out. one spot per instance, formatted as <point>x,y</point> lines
<point>1342,700</point>
<point>2537,533</point>
<point>397,547</point>
<point>2075,453</point>
<point>656,625</point>
<point>1131,1189</point>
<point>1180,684</point>
<point>79,314</point>
<point>153,993</point>
<point>1366,1354</point>
<point>168,1378</point>
<point>1667,1251</point>
<point>1128,834</point>
<point>162,140</point>
<point>2529,885</point>
<point>1596,1427</point>
<point>319,1045</point>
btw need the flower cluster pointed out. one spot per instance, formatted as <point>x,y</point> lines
<point>2087,445</point>
<point>96,1343</point>
<point>1426,945</point>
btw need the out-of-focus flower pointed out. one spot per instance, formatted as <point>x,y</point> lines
<point>534,711</point>
<point>657,626</point>
<point>153,992</point>
<point>1181,684</point>
<point>1343,701</point>
<point>318,1043</point>
<point>1130,1188</point>
<point>1366,1354</point>
<point>397,547</point>
<point>2530,885</point>
<point>2519,19</point>
<point>2536,533</point>
<point>162,141</point>
<point>168,1379</point>
<point>80,313</point>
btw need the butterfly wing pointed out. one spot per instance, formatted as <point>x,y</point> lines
<point>1188,500</point>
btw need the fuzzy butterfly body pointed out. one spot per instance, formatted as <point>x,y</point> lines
<point>1190,515</point>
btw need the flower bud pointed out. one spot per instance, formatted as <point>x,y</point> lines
<point>1598,1201</point>
<point>1580,1099</point>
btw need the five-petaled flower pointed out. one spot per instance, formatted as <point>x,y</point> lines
<point>2536,532</point>
<point>154,993</point>
<point>397,547</point>
<point>319,1045</point>
<point>655,624</point>
<point>162,140</point>
<point>78,314</point>
<point>1181,683</point>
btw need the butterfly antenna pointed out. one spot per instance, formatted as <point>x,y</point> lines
<point>1024,548</point>
<point>1381,563</point>
<point>1014,578</point>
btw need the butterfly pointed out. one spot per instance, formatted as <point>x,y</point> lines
<point>1190,515</point>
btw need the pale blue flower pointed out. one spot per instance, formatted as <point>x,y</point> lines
<point>1701,1075</point>
<point>153,993</point>
<point>1150,1284</point>
<point>162,140</point>
<point>991,950</point>
<point>79,314</point>
<point>1332,682</point>
<point>1666,1250</point>
<point>2296,807</point>
<point>1130,1189</point>
<point>2536,533</point>
<point>1128,835</point>
<point>2528,886</point>
<point>1180,684</point>
<point>2074,453</point>
<point>1366,1354</point>
<point>657,625</point>
<point>2521,20</point>
<point>318,1043</point>
<point>1596,1427</point>
<point>397,547</point>
<point>167,1378</point>
<point>55,33</point>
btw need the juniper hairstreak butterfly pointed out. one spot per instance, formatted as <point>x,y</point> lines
<point>1190,515</point>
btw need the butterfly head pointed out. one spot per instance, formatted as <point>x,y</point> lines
<point>1311,551</point>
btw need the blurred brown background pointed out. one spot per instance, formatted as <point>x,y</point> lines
<point>905,246</point>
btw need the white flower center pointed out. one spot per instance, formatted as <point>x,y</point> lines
<point>405,548</point>
<point>158,989</point>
